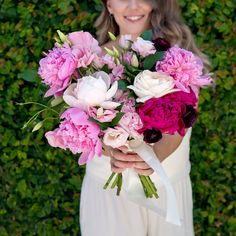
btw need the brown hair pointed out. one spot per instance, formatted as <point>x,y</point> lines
<point>166,22</point>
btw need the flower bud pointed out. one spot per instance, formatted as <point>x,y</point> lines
<point>63,37</point>
<point>112,36</point>
<point>109,51</point>
<point>134,61</point>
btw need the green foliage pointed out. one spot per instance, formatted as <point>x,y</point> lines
<point>40,186</point>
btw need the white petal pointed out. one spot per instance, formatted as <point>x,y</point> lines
<point>112,91</point>
<point>71,101</point>
<point>140,92</point>
<point>144,99</point>
<point>104,76</point>
<point>110,105</point>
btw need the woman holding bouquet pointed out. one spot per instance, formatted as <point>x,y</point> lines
<point>102,212</point>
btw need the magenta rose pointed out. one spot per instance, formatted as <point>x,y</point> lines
<point>77,134</point>
<point>56,69</point>
<point>166,114</point>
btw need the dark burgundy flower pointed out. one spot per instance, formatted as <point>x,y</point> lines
<point>152,135</point>
<point>190,116</point>
<point>161,44</point>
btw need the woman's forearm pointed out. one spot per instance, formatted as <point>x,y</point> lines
<point>167,145</point>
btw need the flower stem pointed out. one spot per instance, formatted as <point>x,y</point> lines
<point>109,180</point>
<point>119,184</point>
<point>152,186</point>
<point>39,104</point>
<point>148,186</point>
<point>115,183</point>
<point>144,186</point>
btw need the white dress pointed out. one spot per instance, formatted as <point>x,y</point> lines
<point>102,213</point>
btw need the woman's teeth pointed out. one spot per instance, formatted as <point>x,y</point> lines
<point>133,18</point>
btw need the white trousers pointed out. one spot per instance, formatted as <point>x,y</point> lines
<point>102,213</point>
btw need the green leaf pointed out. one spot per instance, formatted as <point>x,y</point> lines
<point>29,75</point>
<point>122,84</point>
<point>3,231</point>
<point>116,120</point>
<point>151,60</point>
<point>147,35</point>
<point>21,187</point>
<point>131,71</point>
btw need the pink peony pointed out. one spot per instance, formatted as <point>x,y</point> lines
<point>143,47</point>
<point>185,68</point>
<point>131,123</point>
<point>84,47</point>
<point>166,113</point>
<point>78,134</point>
<point>129,104</point>
<point>56,69</point>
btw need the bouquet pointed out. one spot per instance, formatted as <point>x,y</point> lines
<point>131,96</point>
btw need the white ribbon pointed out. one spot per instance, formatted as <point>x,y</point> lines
<point>147,154</point>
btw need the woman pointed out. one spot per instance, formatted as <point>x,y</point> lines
<point>102,213</point>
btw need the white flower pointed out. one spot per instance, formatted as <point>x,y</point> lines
<point>149,84</point>
<point>116,137</point>
<point>93,90</point>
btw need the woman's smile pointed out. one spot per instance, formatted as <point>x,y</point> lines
<point>134,18</point>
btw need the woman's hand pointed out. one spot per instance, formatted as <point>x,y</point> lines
<point>122,159</point>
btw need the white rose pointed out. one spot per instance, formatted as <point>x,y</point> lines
<point>149,84</point>
<point>116,137</point>
<point>89,91</point>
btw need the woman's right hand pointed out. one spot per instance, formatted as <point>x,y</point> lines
<point>120,160</point>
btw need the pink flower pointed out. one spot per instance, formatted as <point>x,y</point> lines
<point>129,104</point>
<point>125,41</point>
<point>143,47</point>
<point>117,72</point>
<point>131,123</point>
<point>56,69</point>
<point>166,113</point>
<point>185,68</point>
<point>78,134</point>
<point>116,137</point>
<point>102,115</point>
<point>109,61</point>
<point>127,57</point>
<point>84,47</point>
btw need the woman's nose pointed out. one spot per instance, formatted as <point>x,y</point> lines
<point>134,4</point>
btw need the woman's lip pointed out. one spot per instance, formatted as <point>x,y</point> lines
<point>134,18</point>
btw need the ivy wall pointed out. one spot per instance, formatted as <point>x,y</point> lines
<point>40,186</point>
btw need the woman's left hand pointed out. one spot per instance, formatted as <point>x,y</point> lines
<point>139,165</point>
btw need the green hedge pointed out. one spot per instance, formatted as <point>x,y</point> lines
<point>39,185</point>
